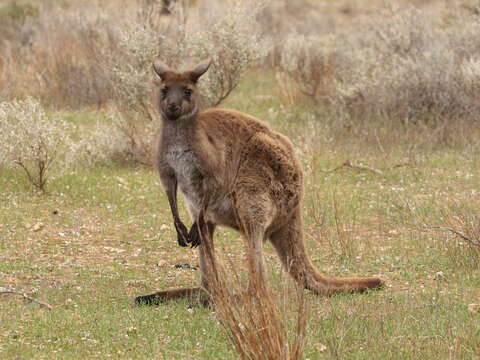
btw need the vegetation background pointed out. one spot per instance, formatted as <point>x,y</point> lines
<point>382,102</point>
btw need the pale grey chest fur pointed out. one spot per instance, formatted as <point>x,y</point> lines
<point>185,164</point>
<point>191,181</point>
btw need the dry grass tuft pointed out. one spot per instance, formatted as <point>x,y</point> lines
<point>461,228</point>
<point>50,51</point>
<point>252,319</point>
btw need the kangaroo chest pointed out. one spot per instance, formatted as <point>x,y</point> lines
<point>191,179</point>
<point>186,166</point>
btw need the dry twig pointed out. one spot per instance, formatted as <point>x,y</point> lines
<point>24,295</point>
<point>352,165</point>
<point>403,164</point>
<point>349,164</point>
<point>454,231</point>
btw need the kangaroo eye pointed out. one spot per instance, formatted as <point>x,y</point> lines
<point>165,90</point>
<point>188,92</point>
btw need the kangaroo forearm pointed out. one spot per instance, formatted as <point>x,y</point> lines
<point>170,185</point>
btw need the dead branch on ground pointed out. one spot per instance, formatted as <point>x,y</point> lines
<point>359,166</point>
<point>25,296</point>
<point>349,164</point>
<point>456,232</point>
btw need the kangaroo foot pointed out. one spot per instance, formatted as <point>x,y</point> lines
<point>356,285</point>
<point>195,295</point>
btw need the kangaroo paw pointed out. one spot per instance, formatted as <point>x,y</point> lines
<point>194,236</point>
<point>182,241</point>
<point>182,235</point>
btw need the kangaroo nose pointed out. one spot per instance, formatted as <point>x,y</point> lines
<point>173,107</point>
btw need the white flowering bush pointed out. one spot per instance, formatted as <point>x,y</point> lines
<point>103,143</point>
<point>310,61</point>
<point>230,38</point>
<point>32,143</point>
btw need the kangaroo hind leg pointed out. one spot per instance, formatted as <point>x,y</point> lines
<point>161,297</point>
<point>255,212</point>
<point>195,294</point>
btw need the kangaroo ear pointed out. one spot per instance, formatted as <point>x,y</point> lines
<point>199,70</point>
<point>161,69</point>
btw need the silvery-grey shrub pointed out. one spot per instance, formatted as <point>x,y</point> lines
<point>32,142</point>
<point>402,65</point>
<point>104,142</point>
<point>309,60</point>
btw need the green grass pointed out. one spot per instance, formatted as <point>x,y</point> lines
<point>106,236</point>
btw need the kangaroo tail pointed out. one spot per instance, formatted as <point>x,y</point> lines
<point>288,242</point>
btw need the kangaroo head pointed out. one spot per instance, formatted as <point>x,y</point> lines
<point>178,93</point>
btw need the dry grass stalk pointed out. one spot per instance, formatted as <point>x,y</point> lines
<point>252,318</point>
<point>464,224</point>
<point>471,241</point>
<point>345,240</point>
<point>352,165</point>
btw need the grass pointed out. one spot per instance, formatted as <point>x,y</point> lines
<point>102,236</point>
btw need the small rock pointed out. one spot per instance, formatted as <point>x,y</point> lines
<point>38,226</point>
<point>321,347</point>
<point>135,283</point>
<point>439,275</point>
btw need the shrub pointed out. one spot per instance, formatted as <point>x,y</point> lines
<point>230,39</point>
<point>310,61</point>
<point>17,13</point>
<point>402,66</point>
<point>49,53</point>
<point>103,143</point>
<point>32,143</point>
<point>461,240</point>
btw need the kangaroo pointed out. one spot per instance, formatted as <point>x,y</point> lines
<point>248,173</point>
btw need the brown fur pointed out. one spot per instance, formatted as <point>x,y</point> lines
<point>244,174</point>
